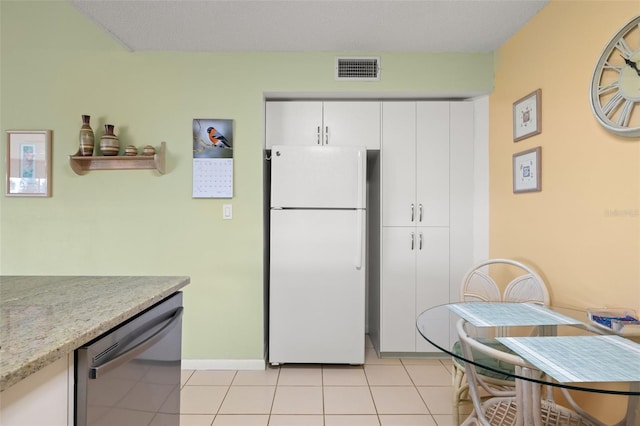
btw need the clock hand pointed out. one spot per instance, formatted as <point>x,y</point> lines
<point>631,64</point>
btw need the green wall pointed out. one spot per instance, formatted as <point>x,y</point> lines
<point>56,65</point>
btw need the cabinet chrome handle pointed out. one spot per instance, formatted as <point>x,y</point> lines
<point>420,243</point>
<point>413,241</point>
<point>420,214</point>
<point>318,134</point>
<point>326,135</point>
<point>413,211</point>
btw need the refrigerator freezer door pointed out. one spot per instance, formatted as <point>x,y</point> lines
<point>317,290</point>
<point>318,177</point>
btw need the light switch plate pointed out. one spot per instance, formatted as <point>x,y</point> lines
<point>227,211</point>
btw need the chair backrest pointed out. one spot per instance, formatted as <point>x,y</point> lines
<point>474,347</point>
<point>527,288</point>
<point>478,286</point>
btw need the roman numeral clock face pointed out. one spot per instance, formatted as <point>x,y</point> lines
<point>615,85</point>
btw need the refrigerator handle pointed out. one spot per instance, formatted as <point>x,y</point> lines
<point>361,181</point>
<point>360,237</point>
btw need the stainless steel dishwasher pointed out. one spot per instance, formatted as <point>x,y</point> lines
<point>130,376</point>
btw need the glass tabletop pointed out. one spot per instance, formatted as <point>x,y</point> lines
<point>573,352</point>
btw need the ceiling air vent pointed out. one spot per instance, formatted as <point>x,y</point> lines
<point>358,68</point>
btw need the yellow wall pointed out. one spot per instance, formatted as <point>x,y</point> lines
<point>56,66</point>
<point>582,230</point>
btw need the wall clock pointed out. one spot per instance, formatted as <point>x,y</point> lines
<point>615,84</point>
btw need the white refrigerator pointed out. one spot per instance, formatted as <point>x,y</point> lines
<point>317,255</point>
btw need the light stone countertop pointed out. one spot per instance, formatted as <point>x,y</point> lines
<point>43,318</point>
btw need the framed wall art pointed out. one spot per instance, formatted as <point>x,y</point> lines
<point>527,170</point>
<point>28,163</point>
<point>527,116</point>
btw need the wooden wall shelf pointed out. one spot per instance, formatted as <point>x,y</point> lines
<point>81,164</point>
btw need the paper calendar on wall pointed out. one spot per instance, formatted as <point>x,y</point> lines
<point>212,158</point>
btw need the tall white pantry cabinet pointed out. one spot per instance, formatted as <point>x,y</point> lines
<point>427,217</point>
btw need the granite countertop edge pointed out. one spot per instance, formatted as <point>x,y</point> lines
<point>24,364</point>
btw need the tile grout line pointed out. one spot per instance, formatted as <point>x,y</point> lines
<point>371,393</point>
<point>273,400</point>
<point>416,389</point>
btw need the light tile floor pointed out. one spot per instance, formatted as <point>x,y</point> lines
<point>382,392</point>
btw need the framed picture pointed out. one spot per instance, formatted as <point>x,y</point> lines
<point>527,116</point>
<point>526,171</point>
<point>28,163</point>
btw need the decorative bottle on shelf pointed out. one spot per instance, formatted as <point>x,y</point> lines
<point>87,138</point>
<point>109,143</point>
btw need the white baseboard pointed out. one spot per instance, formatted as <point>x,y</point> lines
<point>223,364</point>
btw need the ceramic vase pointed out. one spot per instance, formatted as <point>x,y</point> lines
<point>109,142</point>
<point>148,150</point>
<point>87,138</point>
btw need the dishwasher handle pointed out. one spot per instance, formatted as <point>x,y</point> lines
<point>96,372</point>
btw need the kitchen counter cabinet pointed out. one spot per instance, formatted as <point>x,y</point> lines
<point>44,398</point>
<point>45,318</point>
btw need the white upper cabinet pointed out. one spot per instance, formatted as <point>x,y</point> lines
<point>432,163</point>
<point>352,123</point>
<point>335,123</point>
<point>399,163</point>
<point>293,123</point>
<point>415,163</point>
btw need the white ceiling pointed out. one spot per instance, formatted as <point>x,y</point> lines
<point>311,25</point>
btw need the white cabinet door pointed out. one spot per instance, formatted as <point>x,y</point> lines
<point>432,282</point>
<point>397,316</point>
<point>338,123</point>
<point>418,139</point>
<point>432,153</point>
<point>41,398</point>
<point>398,163</point>
<point>462,206</point>
<point>293,123</point>
<point>354,123</point>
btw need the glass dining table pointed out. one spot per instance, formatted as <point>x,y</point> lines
<point>573,352</point>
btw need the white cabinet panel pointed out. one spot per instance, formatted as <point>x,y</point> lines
<point>293,123</point>
<point>415,277</point>
<point>462,183</point>
<point>336,123</point>
<point>40,399</point>
<point>415,144</point>
<point>352,124</point>
<point>432,171</point>
<point>398,163</point>
<point>398,290</point>
<point>432,281</point>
